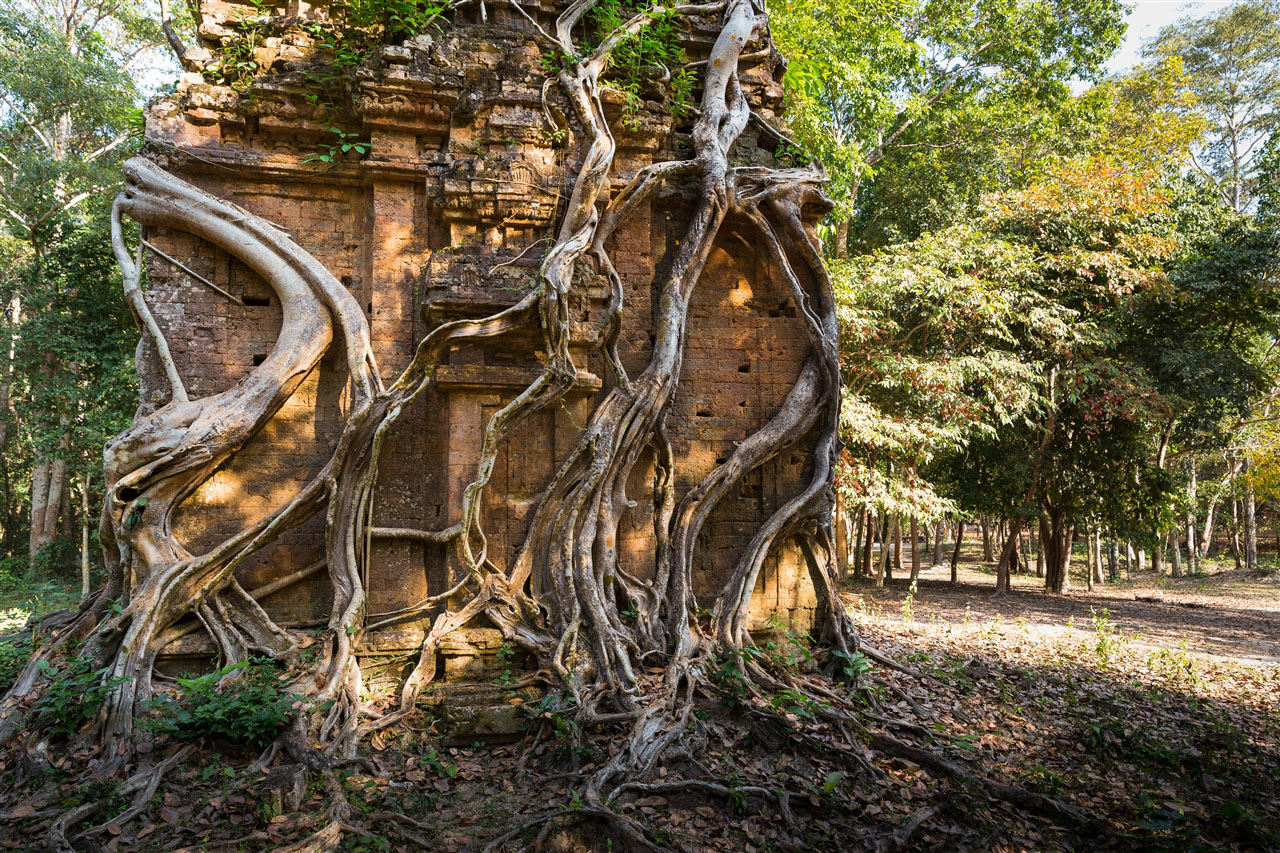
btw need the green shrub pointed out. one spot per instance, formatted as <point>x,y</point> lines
<point>251,709</point>
<point>15,651</point>
<point>73,696</point>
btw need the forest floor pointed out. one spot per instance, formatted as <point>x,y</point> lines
<point>1161,718</point>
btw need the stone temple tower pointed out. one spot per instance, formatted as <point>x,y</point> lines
<point>439,208</point>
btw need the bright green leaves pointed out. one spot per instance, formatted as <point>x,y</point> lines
<point>243,703</point>
<point>648,63</point>
<point>345,144</point>
<point>73,696</point>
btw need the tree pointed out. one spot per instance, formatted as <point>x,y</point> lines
<point>68,114</point>
<point>1232,58</point>
<point>865,79</point>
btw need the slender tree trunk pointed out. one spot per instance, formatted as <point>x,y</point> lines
<point>1041,568</point>
<point>897,547</point>
<point>987,555</point>
<point>955,552</point>
<point>1193,553</point>
<point>842,537</point>
<point>1207,548</point>
<point>1177,554</point>
<point>1142,559</point>
<point>856,553</point>
<point>1008,556</point>
<point>1235,532</point>
<point>882,565</point>
<point>915,549</point>
<point>1250,523</point>
<point>1101,576</point>
<point>866,548</point>
<point>842,238</point>
<point>939,535</point>
<point>1113,559</point>
<point>1088,558</point>
<point>84,537</point>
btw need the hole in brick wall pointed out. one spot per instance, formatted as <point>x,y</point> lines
<point>256,301</point>
<point>720,460</point>
<point>704,413</point>
<point>742,405</point>
<point>785,309</point>
<point>369,309</point>
<point>745,367</point>
<point>346,281</point>
<point>259,358</point>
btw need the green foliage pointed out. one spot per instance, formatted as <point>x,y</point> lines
<point>15,651</point>
<point>957,85</point>
<point>346,143</point>
<point>797,703</point>
<point>1042,779</point>
<point>74,693</point>
<point>1232,59</point>
<point>242,703</point>
<point>433,761</point>
<point>650,60</point>
<point>732,684</point>
<point>851,665</point>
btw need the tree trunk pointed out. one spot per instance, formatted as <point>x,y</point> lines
<point>882,565</point>
<point>84,537</point>
<point>39,503</point>
<point>1113,559</point>
<point>1056,535</point>
<point>1207,548</point>
<point>1088,558</point>
<point>1100,576</point>
<point>855,553</point>
<point>955,552</point>
<point>1008,556</point>
<point>1250,523</point>
<point>842,537</point>
<point>1193,553</point>
<point>939,536</point>
<point>897,547</point>
<point>915,549</point>
<point>870,534</point>
<point>842,238</point>
<point>1176,551</point>
<point>987,554</point>
<point>1234,541</point>
<point>1040,557</point>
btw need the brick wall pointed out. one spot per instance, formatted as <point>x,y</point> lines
<point>461,176</point>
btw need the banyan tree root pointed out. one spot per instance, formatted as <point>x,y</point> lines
<point>564,595</point>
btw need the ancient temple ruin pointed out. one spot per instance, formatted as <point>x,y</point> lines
<point>441,207</point>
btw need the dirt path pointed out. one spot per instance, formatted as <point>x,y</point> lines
<point>1226,615</point>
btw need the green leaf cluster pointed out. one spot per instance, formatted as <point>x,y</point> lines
<point>242,703</point>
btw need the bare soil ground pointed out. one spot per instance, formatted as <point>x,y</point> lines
<point>1160,719</point>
